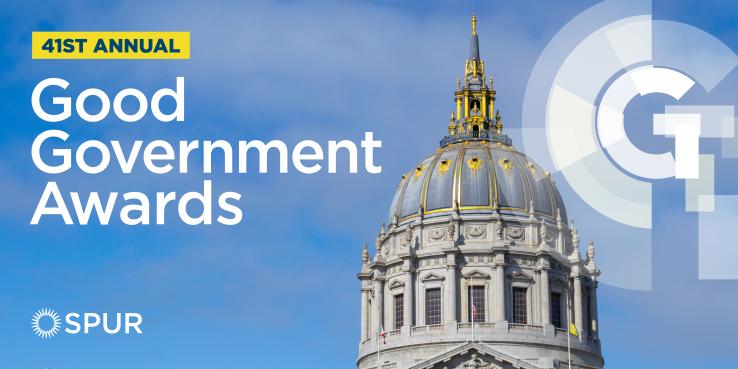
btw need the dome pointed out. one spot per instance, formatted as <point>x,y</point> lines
<point>478,266</point>
<point>477,175</point>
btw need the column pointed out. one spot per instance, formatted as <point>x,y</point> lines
<point>595,317</point>
<point>545,298</point>
<point>458,107</point>
<point>585,310</point>
<point>364,314</point>
<point>578,319</point>
<point>500,283</point>
<point>466,106</point>
<point>450,298</point>
<point>484,104</point>
<point>407,301</point>
<point>378,302</point>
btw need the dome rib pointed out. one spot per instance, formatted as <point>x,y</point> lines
<point>527,192</point>
<point>426,180</point>
<point>493,184</point>
<point>441,182</point>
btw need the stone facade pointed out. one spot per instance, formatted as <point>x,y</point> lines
<point>516,259</point>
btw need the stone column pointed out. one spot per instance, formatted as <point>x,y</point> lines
<point>578,318</point>
<point>585,311</point>
<point>500,284</point>
<point>450,298</point>
<point>364,314</point>
<point>595,317</point>
<point>545,298</point>
<point>378,303</point>
<point>407,301</point>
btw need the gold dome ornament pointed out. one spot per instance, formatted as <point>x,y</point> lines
<point>474,163</point>
<point>418,172</point>
<point>506,164</point>
<point>444,165</point>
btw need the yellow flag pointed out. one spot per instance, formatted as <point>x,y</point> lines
<point>573,330</point>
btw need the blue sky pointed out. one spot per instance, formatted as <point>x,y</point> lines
<point>284,280</point>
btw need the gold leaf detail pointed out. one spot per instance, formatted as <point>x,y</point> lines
<point>444,165</point>
<point>532,167</point>
<point>506,164</point>
<point>474,163</point>
<point>419,171</point>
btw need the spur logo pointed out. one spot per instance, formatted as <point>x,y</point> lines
<point>47,323</point>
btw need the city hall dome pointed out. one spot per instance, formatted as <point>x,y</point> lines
<point>477,265</point>
<point>477,175</point>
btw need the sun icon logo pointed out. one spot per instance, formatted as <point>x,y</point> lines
<point>36,323</point>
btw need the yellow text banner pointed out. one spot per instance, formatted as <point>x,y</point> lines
<point>110,45</point>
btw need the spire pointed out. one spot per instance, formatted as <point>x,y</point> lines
<point>474,68</point>
<point>474,101</point>
<point>474,48</point>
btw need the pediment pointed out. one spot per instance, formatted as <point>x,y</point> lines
<point>431,277</point>
<point>476,274</point>
<point>396,284</point>
<point>558,280</point>
<point>521,276</point>
<point>475,355</point>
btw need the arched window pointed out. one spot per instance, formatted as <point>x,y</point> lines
<point>474,104</point>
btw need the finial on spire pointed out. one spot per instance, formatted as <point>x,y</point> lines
<point>452,124</point>
<point>365,255</point>
<point>378,245</point>
<point>498,122</point>
<point>474,64</point>
<point>591,265</point>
